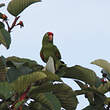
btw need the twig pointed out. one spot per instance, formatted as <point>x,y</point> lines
<point>13,24</point>
<point>23,96</point>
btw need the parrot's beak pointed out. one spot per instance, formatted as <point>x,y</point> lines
<point>50,37</point>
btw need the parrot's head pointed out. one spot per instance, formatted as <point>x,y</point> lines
<point>48,38</point>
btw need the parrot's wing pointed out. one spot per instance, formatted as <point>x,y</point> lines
<point>57,52</point>
<point>42,55</point>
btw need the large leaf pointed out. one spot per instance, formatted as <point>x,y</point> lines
<point>36,106</point>
<point>4,106</point>
<point>15,7</point>
<point>43,95</point>
<point>88,94</point>
<point>94,95</point>
<point>2,25</point>
<point>20,60</point>
<point>3,69</point>
<point>2,4</point>
<point>13,73</point>
<point>90,107</point>
<point>80,73</point>
<point>107,101</point>
<point>17,61</point>
<point>103,64</point>
<point>45,87</point>
<point>99,101</point>
<point>6,90</point>
<point>54,101</point>
<point>81,85</point>
<point>52,77</point>
<point>5,38</point>
<point>20,66</point>
<point>48,101</point>
<point>66,96</point>
<point>63,92</point>
<point>24,81</point>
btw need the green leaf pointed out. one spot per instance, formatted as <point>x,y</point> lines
<point>13,73</point>
<point>93,94</point>
<point>2,4</point>
<point>2,62</point>
<point>107,101</point>
<point>80,73</point>
<point>90,107</point>
<point>99,101</point>
<point>63,92</point>
<point>81,85</point>
<point>89,88</point>
<point>54,101</point>
<point>15,7</point>
<point>6,90</point>
<point>2,25</point>
<point>88,94</point>
<point>51,76</point>
<point>103,88</point>
<point>4,106</point>
<point>24,81</point>
<point>5,38</point>
<point>103,64</point>
<point>3,69</point>
<point>21,60</point>
<point>44,100</point>
<point>66,96</point>
<point>45,87</point>
<point>20,66</point>
<point>1,15</point>
<point>12,61</point>
<point>37,106</point>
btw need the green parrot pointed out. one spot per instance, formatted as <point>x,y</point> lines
<point>49,49</point>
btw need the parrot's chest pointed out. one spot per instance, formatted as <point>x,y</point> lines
<point>47,52</point>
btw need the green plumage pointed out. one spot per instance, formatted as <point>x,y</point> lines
<point>49,49</point>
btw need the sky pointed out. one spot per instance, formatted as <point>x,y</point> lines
<point>81,32</point>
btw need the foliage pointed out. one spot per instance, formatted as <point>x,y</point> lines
<point>22,78</point>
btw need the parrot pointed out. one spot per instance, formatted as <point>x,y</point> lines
<point>49,49</point>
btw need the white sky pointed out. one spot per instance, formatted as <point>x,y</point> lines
<point>81,32</point>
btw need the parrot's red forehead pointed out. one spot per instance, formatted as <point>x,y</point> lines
<point>50,33</point>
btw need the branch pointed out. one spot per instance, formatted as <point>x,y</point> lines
<point>22,97</point>
<point>13,24</point>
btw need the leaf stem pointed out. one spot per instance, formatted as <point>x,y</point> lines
<point>22,97</point>
<point>13,24</point>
